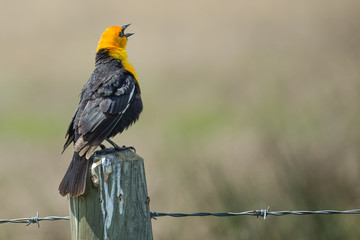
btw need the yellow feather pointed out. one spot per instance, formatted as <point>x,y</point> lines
<point>130,68</point>
<point>111,41</point>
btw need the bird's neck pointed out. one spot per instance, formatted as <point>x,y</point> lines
<point>119,54</point>
<point>128,67</point>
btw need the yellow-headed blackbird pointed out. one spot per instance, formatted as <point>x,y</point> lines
<point>109,103</point>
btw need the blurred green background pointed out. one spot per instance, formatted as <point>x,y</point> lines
<point>247,104</point>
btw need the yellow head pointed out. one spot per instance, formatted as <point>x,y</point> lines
<point>114,40</point>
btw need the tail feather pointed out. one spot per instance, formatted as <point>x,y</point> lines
<point>74,181</point>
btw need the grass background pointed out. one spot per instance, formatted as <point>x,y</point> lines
<point>247,104</point>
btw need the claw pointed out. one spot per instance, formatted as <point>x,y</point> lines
<point>128,148</point>
<point>117,147</point>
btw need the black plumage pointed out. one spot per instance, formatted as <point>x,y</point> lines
<point>109,103</point>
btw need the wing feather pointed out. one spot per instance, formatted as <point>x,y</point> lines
<point>101,115</point>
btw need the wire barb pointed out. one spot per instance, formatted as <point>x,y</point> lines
<point>34,220</point>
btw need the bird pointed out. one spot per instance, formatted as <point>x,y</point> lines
<point>110,102</point>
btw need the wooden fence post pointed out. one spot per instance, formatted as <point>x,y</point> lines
<point>115,204</point>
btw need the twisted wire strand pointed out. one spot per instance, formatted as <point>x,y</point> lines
<point>257,213</point>
<point>35,219</point>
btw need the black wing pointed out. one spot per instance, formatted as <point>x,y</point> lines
<point>100,109</point>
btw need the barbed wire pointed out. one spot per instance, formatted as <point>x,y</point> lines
<point>257,213</point>
<point>35,219</point>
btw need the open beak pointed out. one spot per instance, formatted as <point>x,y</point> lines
<point>127,34</point>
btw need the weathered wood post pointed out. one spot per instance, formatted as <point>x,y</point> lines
<point>115,204</point>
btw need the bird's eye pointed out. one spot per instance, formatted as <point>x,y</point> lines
<point>122,34</point>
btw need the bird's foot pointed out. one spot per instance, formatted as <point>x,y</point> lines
<point>117,147</point>
<point>123,148</point>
